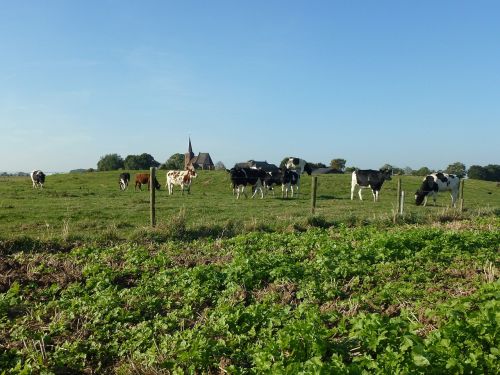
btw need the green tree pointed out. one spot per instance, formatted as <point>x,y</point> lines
<point>219,166</point>
<point>456,169</point>
<point>408,171</point>
<point>110,162</point>
<point>493,172</point>
<point>387,167</point>
<point>176,161</point>
<point>338,164</point>
<point>477,172</point>
<point>143,161</point>
<point>424,171</point>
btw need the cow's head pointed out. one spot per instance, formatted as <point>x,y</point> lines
<point>308,169</point>
<point>386,173</point>
<point>191,171</point>
<point>157,184</point>
<point>427,186</point>
<point>292,162</point>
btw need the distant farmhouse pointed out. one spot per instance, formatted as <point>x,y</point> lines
<point>202,161</point>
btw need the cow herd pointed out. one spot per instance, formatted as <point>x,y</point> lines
<point>262,181</point>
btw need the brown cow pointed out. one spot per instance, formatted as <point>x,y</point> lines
<point>143,178</point>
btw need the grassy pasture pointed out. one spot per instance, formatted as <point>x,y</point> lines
<point>91,205</point>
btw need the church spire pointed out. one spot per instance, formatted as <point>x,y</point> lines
<point>188,156</point>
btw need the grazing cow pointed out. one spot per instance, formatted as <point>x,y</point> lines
<point>369,179</point>
<point>290,179</point>
<point>38,178</point>
<point>299,165</point>
<point>143,178</point>
<point>273,178</point>
<point>241,177</point>
<point>124,180</point>
<point>436,182</point>
<point>181,178</point>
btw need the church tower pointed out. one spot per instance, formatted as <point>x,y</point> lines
<point>188,156</point>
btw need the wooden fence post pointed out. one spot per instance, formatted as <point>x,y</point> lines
<point>152,203</point>
<point>314,188</point>
<point>402,203</point>
<point>462,195</point>
<point>399,196</point>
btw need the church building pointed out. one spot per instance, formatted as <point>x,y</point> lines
<point>202,161</point>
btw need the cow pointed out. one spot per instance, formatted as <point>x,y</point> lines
<point>181,178</point>
<point>38,178</point>
<point>143,178</point>
<point>369,178</point>
<point>299,165</point>
<point>272,179</point>
<point>436,182</point>
<point>290,179</point>
<point>241,177</point>
<point>124,180</point>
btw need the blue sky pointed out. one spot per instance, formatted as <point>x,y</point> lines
<point>374,82</point>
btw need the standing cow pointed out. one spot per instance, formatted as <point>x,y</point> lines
<point>242,177</point>
<point>38,178</point>
<point>143,179</point>
<point>180,178</point>
<point>290,179</point>
<point>436,182</point>
<point>369,178</point>
<point>124,180</point>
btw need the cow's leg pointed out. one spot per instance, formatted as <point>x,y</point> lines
<point>359,193</point>
<point>353,188</point>
<point>375,195</point>
<point>425,201</point>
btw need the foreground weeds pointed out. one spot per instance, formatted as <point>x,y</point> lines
<point>320,297</point>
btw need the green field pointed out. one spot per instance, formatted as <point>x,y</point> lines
<point>248,286</point>
<point>91,205</point>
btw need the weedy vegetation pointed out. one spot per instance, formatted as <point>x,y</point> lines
<point>248,286</point>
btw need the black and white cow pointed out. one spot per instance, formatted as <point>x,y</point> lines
<point>38,178</point>
<point>272,179</point>
<point>242,177</point>
<point>369,178</point>
<point>290,179</point>
<point>436,182</point>
<point>124,180</point>
<point>299,165</point>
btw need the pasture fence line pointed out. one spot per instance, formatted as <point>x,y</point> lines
<point>314,189</point>
<point>152,196</point>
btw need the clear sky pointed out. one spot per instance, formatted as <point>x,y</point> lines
<point>409,83</point>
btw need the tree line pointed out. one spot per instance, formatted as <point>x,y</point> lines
<point>111,162</point>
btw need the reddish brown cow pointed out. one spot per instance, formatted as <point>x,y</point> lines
<point>143,178</point>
